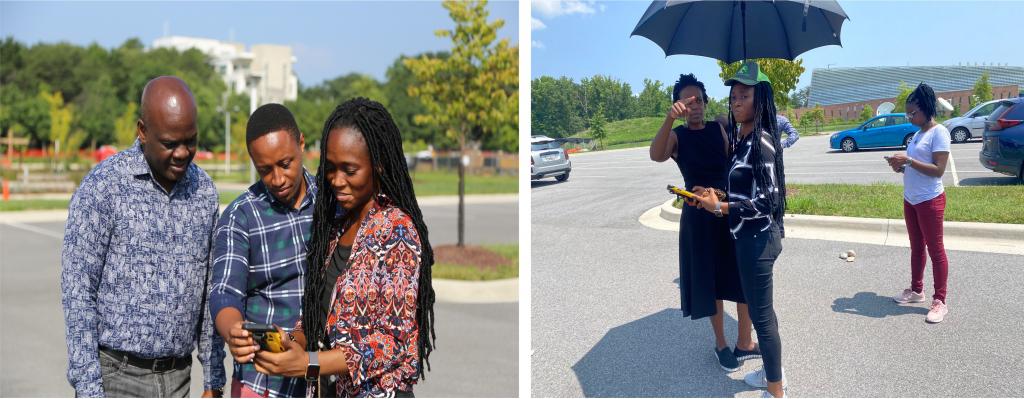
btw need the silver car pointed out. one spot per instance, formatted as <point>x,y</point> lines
<point>972,123</point>
<point>548,158</point>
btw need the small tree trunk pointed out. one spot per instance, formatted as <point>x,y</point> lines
<point>462,188</point>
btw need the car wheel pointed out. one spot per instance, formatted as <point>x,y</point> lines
<point>906,140</point>
<point>960,135</point>
<point>562,178</point>
<point>848,145</point>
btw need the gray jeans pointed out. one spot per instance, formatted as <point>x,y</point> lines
<point>122,380</point>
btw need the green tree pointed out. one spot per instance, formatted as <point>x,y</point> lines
<point>814,117</point>
<point>956,111</point>
<point>97,104</point>
<point>982,90</point>
<point>404,108</point>
<point>784,74</point>
<point>555,109</point>
<point>124,126</point>
<point>615,96</point>
<point>61,115</point>
<point>652,101</point>
<point>597,126</point>
<point>717,109</point>
<point>866,113</point>
<point>475,87</point>
<point>903,91</point>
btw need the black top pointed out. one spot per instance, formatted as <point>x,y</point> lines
<point>701,156</point>
<point>749,209</point>
<point>338,266</point>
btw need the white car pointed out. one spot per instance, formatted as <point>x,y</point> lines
<point>971,124</point>
<point>548,158</point>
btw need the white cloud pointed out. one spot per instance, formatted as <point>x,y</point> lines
<point>536,44</point>
<point>554,8</point>
<point>536,24</point>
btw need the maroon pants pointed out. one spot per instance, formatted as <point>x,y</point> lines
<point>924,225</point>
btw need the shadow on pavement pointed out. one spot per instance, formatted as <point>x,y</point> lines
<point>871,304</point>
<point>543,183</point>
<point>661,355</point>
<point>989,181</point>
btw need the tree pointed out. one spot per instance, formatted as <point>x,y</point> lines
<point>556,110</point>
<point>597,122</point>
<point>784,74</point>
<point>716,109</point>
<point>799,98</point>
<point>903,91</point>
<point>815,116</point>
<point>866,113</point>
<point>124,126</point>
<point>956,111</point>
<point>475,87</point>
<point>652,101</point>
<point>65,143</point>
<point>404,108</point>
<point>982,90</point>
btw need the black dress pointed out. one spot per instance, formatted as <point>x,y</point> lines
<point>707,260</point>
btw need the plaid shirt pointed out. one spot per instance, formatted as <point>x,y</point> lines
<point>135,264</point>
<point>259,264</point>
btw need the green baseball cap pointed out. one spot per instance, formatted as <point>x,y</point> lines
<point>749,74</point>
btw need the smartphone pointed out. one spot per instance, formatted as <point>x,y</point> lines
<point>266,336</point>
<point>678,191</point>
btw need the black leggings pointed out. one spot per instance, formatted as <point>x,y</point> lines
<point>756,252</point>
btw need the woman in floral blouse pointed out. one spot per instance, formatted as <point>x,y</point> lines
<point>368,300</point>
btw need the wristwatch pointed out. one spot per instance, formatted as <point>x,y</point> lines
<point>718,209</point>
<point>313,369</point>
<point>909,161</point>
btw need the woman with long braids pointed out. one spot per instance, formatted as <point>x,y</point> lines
<point>755,207</point>
<point>368,300</point>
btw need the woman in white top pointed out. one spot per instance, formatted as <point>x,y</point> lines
<point>924,200</point>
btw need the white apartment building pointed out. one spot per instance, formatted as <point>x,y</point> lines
<point>265,70</point>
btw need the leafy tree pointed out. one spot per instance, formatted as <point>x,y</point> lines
<point>982,90</point>
<point>555,110</point>
<point>124,125</point>
<point>903,91</point>
<point>652,101</point>
<point>814,117</point>
<point>866,113</point>
<point>476,87</point>
<point>597,126</point>
<point>784,75</point>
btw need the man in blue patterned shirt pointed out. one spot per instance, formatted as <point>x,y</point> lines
<point>136,261</point>
<point>259,255</point>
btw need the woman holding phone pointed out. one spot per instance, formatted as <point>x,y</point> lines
<point>756,204</point>
<point>368,301</point>
<point>707,264</point>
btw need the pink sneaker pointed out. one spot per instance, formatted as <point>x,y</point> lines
<point>937,312</point>
<point>909,296</point>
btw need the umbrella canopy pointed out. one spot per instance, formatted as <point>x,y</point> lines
<point>732,31</point>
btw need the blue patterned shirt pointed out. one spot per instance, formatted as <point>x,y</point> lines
<point>786,127</point>
<point>259,265</point>
<point>135,264</point>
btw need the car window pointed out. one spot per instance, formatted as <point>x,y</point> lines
<point>880,122</point>
<point>1016,113</point>
<point>547,145</point>
<point>898,120</point>
<point>986,110</point>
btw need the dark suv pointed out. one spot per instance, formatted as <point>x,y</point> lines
<point>1002,147</point>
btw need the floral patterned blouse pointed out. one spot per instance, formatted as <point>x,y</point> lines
<point>373,310</point>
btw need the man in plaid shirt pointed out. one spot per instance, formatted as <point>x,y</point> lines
<point>259,253</point>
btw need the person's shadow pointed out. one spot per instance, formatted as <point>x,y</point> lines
<point>663,355</point>
<point>871,304</point>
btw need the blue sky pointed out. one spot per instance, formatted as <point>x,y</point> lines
<point>328,39</point>
<point>579,39</point>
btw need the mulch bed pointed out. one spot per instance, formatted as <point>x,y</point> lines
<point>479,257</point>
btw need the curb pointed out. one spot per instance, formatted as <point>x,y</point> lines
<point>958,236</point>
<point>458,291</point>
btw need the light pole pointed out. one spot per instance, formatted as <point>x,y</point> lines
<point>227,136</point>
<point>252,81</point>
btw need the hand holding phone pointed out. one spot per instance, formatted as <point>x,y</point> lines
<point>266,336</point>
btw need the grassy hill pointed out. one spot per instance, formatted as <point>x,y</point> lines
<point>629,132</point>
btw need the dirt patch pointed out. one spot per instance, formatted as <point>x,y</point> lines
<point>479,257</point>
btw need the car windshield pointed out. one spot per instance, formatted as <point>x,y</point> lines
<point>985,110</point>
<point>544,145</point>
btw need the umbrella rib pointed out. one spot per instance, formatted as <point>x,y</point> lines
<point>789,48</point>
<point>678,27</point>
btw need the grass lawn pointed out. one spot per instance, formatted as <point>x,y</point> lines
<point>988,204</point>
<point>443,183</point>
<point>456,271</point>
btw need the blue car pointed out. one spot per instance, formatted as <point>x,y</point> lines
<point>889,130</point>
<point>1002,148</point>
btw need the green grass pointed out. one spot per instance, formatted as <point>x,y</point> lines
<point>33,205</point>
<point>472,273</point>
<point>988,204</point>
<point>628,133</point>
<point>444,183</point>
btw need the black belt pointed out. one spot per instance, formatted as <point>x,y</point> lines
<point>155,365</point>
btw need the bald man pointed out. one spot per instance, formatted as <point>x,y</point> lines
<point>136,261</point>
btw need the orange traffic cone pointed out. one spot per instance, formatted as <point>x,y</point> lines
<point>7,191</point>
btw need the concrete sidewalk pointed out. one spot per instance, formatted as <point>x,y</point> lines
<point>957,236</point>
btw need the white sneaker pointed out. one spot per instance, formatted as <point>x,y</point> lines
<point>909,296</point>
<point>758,378</point>
<point>766,394</point>
<point>937,312</point>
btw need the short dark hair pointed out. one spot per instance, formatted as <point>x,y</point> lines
<point>688,80</point>
<point>270,118</point>
<point>924,97</point>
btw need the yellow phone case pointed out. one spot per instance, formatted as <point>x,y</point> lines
<point>273,342</point>
<point>678,191</point>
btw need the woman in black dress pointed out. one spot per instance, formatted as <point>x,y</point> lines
<point>707,264</point>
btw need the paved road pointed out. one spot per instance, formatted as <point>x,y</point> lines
<point>477,353</point>
<point>605,299</point>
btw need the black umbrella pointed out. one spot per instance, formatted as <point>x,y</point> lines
<point>737,30</point>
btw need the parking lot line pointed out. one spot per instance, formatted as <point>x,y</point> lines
<point>36,230</point>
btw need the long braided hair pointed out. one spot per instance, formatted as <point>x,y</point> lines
<point>391,174</point>
<point>765,121</point>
